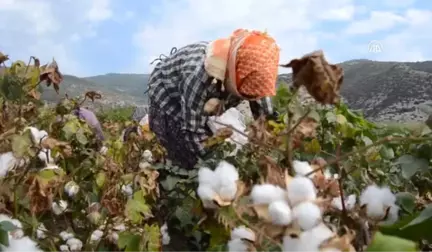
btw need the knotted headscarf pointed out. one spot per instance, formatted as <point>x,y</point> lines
<point>248,60</point>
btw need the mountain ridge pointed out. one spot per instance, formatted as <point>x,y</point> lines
<point>383,90</point>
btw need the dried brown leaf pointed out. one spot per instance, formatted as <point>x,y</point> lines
<point>273,173</point>
<point>51,74</point>
<point>93,95</point>
<point>321,79</point>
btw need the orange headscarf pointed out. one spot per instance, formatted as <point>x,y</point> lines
<point>251,59</point>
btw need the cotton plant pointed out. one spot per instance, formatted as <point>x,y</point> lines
<point>71,188</point>
<point>242,240</point>
<point>17,240</point>
<point>218,186</point>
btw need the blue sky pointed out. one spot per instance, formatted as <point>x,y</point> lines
<point>91,37</point>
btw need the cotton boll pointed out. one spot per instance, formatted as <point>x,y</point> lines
<point>120,227</point>
<point>71,188</point>
<point>226,173</point>
<point>147,156</point>
<point>302,168</point>
<point>243,232</point>
<point>208,177</point>
<point>301,189</point>
<point>205,192</point>
<point>369,194</point>
<point>66,235</point>
<point>40,231</point>
<point>291,243</point>
<point>60,207</point>
<point>23,244</point>
<point>165,235</point>
<point>64,248</point>
<point>127,190</point>
<point>143,165</point>
<point>237,245</point>
<point>7,163</point>
<point>103,150</point>
<point>74,244</point>
<point>392,217</point>
<point>313,238</point>
<point>34,133</point>
<point>280,213</point>
<point>375,209</point>
<point>267,193</point>
<point>113,237</point>
<point>228,191</point>
<point>387,197</point>
<point>96,236</point>
<point>350,202</point>
<point>307,215</point>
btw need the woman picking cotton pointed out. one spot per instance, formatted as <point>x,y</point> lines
<point>204,79</point>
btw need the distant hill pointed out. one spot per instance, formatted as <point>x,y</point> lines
<point>385,91</point>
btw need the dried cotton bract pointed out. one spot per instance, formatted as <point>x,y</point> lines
<point>218,186</point>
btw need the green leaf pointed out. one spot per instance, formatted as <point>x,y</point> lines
<point>424,216</point>
<point>21,144</point>
<point>129,241</point>
<point>410,165</point>
<point>330,117</point>
<point>341,119</point>
<point>100,179</point>
<point>406,200</point>
<point>81,138</point>
<point>71,128</point>
<point>136,208</point>
<point>50,174</point>
<point>387,152</point>
<point>7,226</point>
<point>152,234</point>
<point>381,242</point>
<point>170,182</point>
<point>4,238</point>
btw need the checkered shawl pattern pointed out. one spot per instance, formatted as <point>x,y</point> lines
<point>179,87</point>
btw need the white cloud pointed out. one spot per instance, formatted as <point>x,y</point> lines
<point>186,21</point>
<point>47,29</point>
<point>99,11</point>
<point>378,21</point>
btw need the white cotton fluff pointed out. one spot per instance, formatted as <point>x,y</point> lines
<point>237,245</point>
<point>64,248</point>
<point>120,227</point>
<point>300,189</point>
<point>377,200</point>
<point>393,215</point>
<point>66,235</point>
<point>208,177</point>
<point>242,232</point>
<point>222,181</point>
<point>350,202</point>
<point>267,193</point>
<point>8,162</point>
<point>96,236</point>
<point>74,244</point>
<point>165,235</point>
<point>103,150</point>
<point>280,213</point>
<point>71,188</point>
<point>206,194</point>
<point>302,168</point>
<point>40,231</point>
<point>309,240</point>
<point>307,215</point>
<point>113,237</point>
<point>23,244</point>
<point>127,190</point>
<point>147,156</point>
<point>60,207</point>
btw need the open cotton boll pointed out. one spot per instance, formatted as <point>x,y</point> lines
<point>371,193</point>
<point>8,162</point>
<point>307,215</point>
<point>302,168</point>
<point>208,177</point>
<point>205,192</point>
<point>23,244</point>
<point>71,188</point>
<point>267,193</point>
<point>127,190</point>
<point>387,197</point>
<point>18,232</point>
<point>226,172</point>
<point>74,244</point>
<point>64,248</point>
<point>60,207</point>
<point>237,245</point>
<point>350,202</point>
<point>300,189</point>
<point>392,217</point>
<point>280,213</point>
<point>96,236</point>
<point>66,235</point>
<point>147,156</point>
<point>313,238</point>
<point>243,232</point>
<point>228,191</point>
<point>40,231</point>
